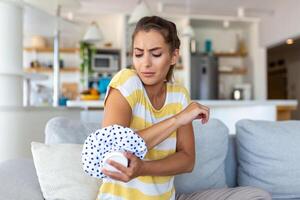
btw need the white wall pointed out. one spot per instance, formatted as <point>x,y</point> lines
<point>20,126</point>
<point>284,22</point>
<point>37,22</point>
<point>11,80</point>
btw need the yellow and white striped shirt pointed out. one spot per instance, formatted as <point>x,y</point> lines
<point>143,116</point>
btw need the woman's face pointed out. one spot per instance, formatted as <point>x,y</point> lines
<point>151,57</point>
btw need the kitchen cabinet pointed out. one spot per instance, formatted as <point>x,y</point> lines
<point>49,70</point>
<point>42,58</point>
<point>229,67</point>
<point>40,61</point>
<point>50,50</point>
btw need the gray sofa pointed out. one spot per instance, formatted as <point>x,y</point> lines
<point>222,160</point>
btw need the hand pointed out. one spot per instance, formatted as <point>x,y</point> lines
<point>193,111</point>
<point>126,173</point>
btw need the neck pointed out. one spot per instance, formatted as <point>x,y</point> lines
<point>156,90</point>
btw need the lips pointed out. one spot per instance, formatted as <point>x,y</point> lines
<point>148,74</point>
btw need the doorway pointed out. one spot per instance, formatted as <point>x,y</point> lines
<point>283,71</point>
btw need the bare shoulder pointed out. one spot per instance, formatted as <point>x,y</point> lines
<point>116,110</point>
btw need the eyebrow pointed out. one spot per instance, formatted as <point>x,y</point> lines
<point>153,49</point>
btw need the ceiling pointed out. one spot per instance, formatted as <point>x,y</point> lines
<point>204,7</point>
<point>221,7</point>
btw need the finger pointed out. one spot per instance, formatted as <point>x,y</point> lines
<point>208,116</point>
<point>124,170</point>
<point>115,175</point>
<point>129,155</point>
<point>118,166</point>
<point>131,159</point>
<point>203,116</point>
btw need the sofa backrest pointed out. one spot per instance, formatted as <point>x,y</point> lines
<point>215,151</point>
<point>64,130</point>
<point>211,142</point>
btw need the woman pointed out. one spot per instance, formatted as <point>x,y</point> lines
<point>145,99</point>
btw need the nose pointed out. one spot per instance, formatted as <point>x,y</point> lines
<point>146,60</point>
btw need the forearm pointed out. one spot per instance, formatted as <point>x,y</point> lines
<point>159,132</point>
<point>177,163</point>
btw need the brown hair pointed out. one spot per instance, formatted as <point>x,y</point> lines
<point>166,28</point>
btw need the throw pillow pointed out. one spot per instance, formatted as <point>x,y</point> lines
<point>60,173</point>
<point>269,156</point>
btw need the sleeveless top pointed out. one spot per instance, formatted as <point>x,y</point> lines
<point>143,116</point>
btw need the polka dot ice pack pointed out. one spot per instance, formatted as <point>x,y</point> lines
<point>113,138</point>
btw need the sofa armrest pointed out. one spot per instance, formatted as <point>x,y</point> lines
<point>18,180</point>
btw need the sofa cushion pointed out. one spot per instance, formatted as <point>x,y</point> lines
<point>63,130</point>
<point>60,173</point>
<point>269,156</point>
<point>211,142</point>
<point>18,180</point>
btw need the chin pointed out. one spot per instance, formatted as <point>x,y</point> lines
<point>149,82</point>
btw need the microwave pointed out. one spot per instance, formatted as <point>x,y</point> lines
<point>105,62</point>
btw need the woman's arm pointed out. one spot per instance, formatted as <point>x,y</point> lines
<point>117,111</point>
<point>180,162</point>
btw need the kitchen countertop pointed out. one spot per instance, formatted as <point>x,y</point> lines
<point>210,103</point>
<point>230,103</point>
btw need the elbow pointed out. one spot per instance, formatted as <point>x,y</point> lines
<point>190,166</point>
<point>188,161</point>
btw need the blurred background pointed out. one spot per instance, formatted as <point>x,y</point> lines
<point>57,57</point>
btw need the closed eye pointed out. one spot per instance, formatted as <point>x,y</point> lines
<point>156,55</point>
<point>138,55</point>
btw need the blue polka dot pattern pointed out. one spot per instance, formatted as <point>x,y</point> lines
<point>106,140</point>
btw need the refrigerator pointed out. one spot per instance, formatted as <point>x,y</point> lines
<point>204,76</point>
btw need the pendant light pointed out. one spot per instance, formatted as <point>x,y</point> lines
<point>93,34</point>
<point>188,31</point>
<point>140,11</point>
